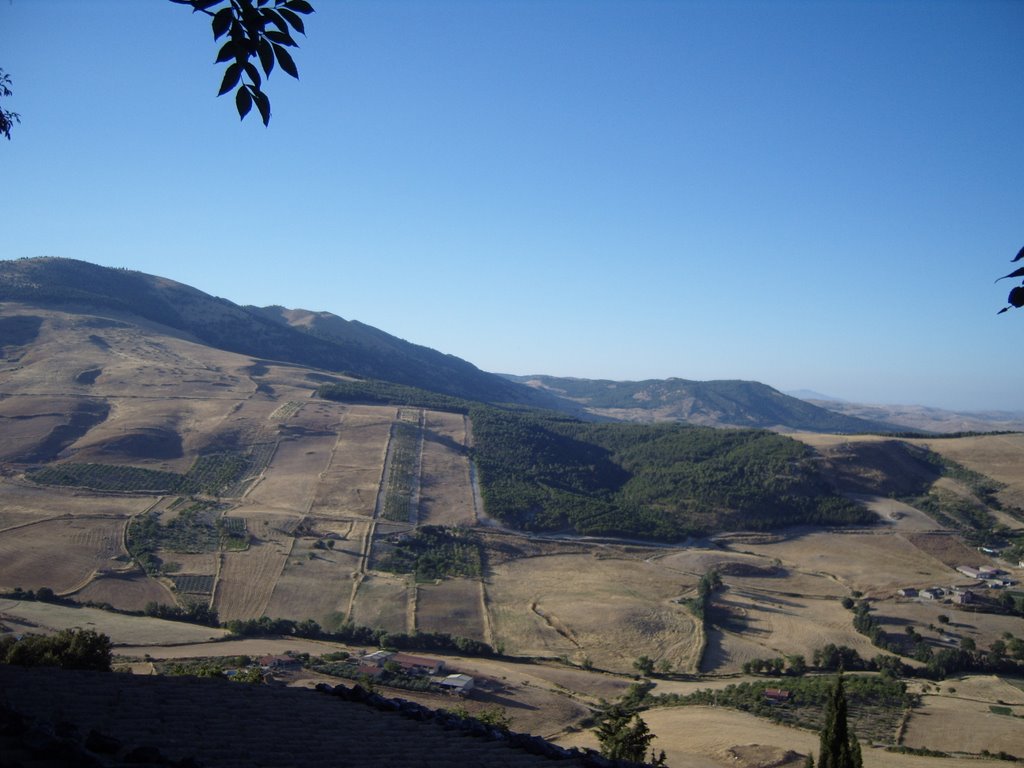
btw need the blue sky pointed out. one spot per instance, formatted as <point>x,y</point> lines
<point>810,194</point>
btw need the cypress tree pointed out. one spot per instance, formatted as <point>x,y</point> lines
<point>835,750</point>
<point>858,760</point>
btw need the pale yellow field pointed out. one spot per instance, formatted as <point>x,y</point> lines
<point>609,610</point>
<point>769,625</point>
<point>246,579</point>
<point>874,563</point>
<point>382,601</point>
<point>897,515</point>
<point>954,723</point>
<point>130,592</point>
<point>452,606</point>
<point>446,494</point>
<point>349,485</point>
<point>1001,457</point>
<point>31,502</point>
<point>290,481</point>
<point>61,554</point>
<point>313,588</point>
<point>41,618</point>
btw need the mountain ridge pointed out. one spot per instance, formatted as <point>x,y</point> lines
<point>325,341</point>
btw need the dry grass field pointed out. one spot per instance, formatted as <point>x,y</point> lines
<point>451,606</point>
<point>711,737</point>
<point>25,616</point>
<point>348,485</point>
<point>290,481</point>
<point>128,592</point>
<point>21,502</point>
<point>315,582</point>
<point>446,493</point>
<point>895,615</point>
<point>757,624</point>
<point>62,554</point>
<point>580,606</point>
<point>246,579</point>
<point>965,722</point>
<point>383,601</point>
<point>876,564</point>
<point>1001,457</point>
<point>171,399</point>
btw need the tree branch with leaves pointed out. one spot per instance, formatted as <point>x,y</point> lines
<point>1016,297</point>
<point>259,30</point>
<point>7,118</point>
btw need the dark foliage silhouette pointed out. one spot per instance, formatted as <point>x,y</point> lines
<point>255,29</point>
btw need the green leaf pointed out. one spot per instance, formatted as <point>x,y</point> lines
<point>262,104</point>
<point>299,6</point>
<point>294,19</point>
<point>281,37</point>
<point>231,77</point>
<point>266,53</point>
<point>221,22</point>
<point>285,60</point>
<point>243,102</point>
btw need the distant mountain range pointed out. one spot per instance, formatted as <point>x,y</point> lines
<point>708,403</point>
<point>330,343</point>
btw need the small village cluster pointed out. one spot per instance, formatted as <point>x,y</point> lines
<point>986,577</point>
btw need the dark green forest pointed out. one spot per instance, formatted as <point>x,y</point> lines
<point>660,481</point>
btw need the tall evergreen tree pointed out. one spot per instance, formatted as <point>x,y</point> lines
<point>837,748</point>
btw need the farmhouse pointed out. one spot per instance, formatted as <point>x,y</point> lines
<point>418,665</point>
<point>963,597</point>
<point>932,593</point>
<point>777,694</point>
<point>969,571</point>
<point>461,684</point>
<point>377,658</point>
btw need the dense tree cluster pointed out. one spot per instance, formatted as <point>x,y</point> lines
<point>660,481</point>
<point>68,649</point>
<point>434,552</point>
